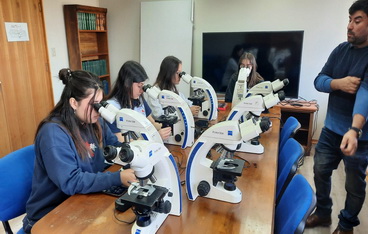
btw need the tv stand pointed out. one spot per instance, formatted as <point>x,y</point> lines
<point>303,111</point>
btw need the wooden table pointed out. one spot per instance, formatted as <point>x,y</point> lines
<point>94,213</point>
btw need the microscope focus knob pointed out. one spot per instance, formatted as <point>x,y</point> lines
<point>165,207</point>
<point>265,124</point>
<point>203,188</point>
<point>205,113</point>
<point>177,138</point>
<point>281,95</point>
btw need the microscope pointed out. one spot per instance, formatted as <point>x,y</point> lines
<point>216,179</point>
<point>266,87</point>
<point>252,107</point>
<point>158,192</point>
<point>240,89</point>
<point>203,95</point>
<point>133,125</point>
<point>251,103</point>
<point>177,115</point>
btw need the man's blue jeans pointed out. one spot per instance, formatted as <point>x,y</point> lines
<point>326,159</point>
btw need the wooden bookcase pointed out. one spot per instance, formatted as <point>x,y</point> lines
<point>86,34</point>
<point>305,115</point>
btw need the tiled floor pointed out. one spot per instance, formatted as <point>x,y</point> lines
<point>338,196</point>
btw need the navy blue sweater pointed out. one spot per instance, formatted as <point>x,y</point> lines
<point>345,60</point>
<point>60,172</point>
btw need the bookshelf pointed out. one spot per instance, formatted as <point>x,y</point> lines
<point>86,34</point>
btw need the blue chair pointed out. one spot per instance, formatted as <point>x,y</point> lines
<point>291,126</point>
<point>16,171</point>
<point>288,160</point>
<point>296,204</point>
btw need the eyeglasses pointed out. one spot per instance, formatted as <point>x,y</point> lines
<point>246,65</point>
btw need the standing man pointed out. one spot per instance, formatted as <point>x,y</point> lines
<point>345,134</point>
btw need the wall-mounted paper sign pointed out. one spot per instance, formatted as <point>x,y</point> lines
<point>16,31</point>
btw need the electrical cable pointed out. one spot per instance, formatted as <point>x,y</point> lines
<point>123,221</point>
<point>302,102</point>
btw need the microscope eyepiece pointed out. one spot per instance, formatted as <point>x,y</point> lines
<point>182,74</point>
<point>104,103</point>
<point>97,106</point>
<point>110,153</point>
<point>126,154</point>
<point>147,86</point>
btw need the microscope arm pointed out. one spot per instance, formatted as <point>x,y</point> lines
<point>255,105</point>
<point>266,87</point>
<point>240,88</point>
<point>210,104</point>
<point>129,120</point>
<point>253,128</point>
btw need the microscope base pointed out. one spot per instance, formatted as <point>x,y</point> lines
<point>156,220</point>
<point>219,193</point>
<point>247,147</point>
<point>171,141</point>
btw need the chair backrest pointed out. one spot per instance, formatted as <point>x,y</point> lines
<point>287,165</point>
<point>291,126</point>
<point>296,204</point>
<point>16,171</point>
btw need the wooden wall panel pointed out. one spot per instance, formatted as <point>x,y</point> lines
<point>26,80</point>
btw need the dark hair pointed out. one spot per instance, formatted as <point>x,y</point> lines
<point>169,67</point>
<point>77,85</point>
<point>131,72</point>
<point>359,5</point>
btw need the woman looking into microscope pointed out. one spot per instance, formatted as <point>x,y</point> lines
<point>167,79</point>
<point>247,60</point>
<point>69,149</point>
<point>127,93</point>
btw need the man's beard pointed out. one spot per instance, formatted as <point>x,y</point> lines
<point>355,41</point>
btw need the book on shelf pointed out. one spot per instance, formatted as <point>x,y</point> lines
<point>98,67</point>
<point>91,21</point>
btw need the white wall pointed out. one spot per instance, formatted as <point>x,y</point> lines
<point>324,24</point>
<point>123,20</point>
<point>56,38</point>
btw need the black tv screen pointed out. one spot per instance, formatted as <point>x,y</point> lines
<point>278,55</point>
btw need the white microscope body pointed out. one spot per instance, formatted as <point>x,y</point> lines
<point>216,179</point>
<point>240,89</point>
<point>252,107</point>
<point>266,87</point>
<point>183,129</point>
<point>130,121</point>
<point>158,192</point>
<point>203,95</point>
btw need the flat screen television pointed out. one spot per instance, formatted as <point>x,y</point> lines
<point>278,55</point>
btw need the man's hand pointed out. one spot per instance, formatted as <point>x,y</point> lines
<point>349,84</point>
<point>349,143</point>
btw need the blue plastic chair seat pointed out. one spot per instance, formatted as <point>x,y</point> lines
<point>296,204</point>
<point>16,171</point>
